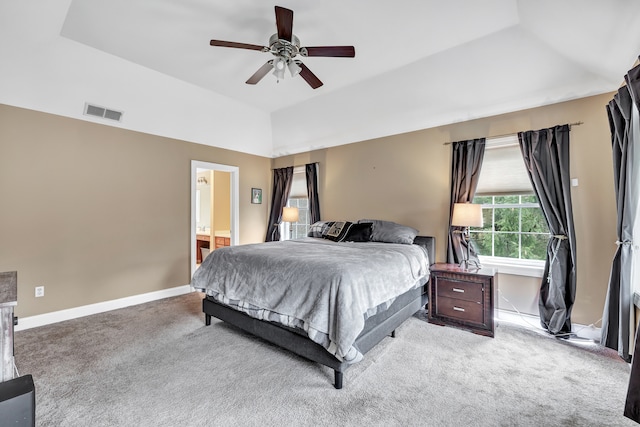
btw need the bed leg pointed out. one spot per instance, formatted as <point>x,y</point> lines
<point>207,319</point>
<point>393,333</point>
<point>337,380</point>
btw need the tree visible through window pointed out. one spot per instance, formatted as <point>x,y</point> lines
<point>514,227</point>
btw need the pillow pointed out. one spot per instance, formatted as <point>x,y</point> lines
<point>338,231</point>
<point>390,232</point>
<point>319,229</point>
<point>359,232</point>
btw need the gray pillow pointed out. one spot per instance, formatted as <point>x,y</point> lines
<point>390,232</point>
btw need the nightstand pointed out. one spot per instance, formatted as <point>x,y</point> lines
<point>462,298</point>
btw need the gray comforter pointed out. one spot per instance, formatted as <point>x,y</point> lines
<point>326,288</point>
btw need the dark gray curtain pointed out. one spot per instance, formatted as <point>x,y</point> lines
<point>311,171</point>
<point>465,171</point>
<point>618,318</point>
<point>546,158</point>
<point>617,315</point>
<point>282,179</point>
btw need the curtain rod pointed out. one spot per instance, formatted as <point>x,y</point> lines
<point>297,166</point>
<point>509,134</point>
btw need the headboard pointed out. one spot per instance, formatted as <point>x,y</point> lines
<point>429,243</point>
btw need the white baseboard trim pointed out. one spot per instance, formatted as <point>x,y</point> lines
<point>589,332</point>
<point>527,320</point>
<point>100,307</point>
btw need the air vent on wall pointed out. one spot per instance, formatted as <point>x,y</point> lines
<point>105,113</point>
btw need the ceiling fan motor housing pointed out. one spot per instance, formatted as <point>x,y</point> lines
<point>284,49</point>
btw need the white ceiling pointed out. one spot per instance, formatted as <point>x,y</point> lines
<point>418,64</point>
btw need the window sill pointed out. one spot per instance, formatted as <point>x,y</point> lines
<point>515,267</point>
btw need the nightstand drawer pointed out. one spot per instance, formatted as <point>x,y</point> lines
<point>462,298</point>
<point>468,311</point>
<point>468,291</point>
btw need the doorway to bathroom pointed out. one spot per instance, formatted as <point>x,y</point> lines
<point>214,209</point>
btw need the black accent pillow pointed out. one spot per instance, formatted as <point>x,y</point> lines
<point>319,229</point>
<point>390,232</point>
<point>338,231</point>
<point>359,232</point>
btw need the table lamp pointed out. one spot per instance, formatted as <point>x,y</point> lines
<point>467,215</point>
<point>290,215</point>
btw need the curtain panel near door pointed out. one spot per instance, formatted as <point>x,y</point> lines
<point>546,158</point>
<point>465,171</point>
<point>282,179</point>
<point>618,315</point>
<point>632,406</point>
<point>311,171</point>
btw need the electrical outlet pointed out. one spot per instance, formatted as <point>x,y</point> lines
<point>39,291</point>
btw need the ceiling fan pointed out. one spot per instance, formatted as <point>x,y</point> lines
<point>285,46</point>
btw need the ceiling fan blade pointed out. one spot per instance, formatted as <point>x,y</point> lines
<point>223,43</point>
<point>334,51</point>
<point>284,22</point>
<point>311,78</point>
<point>258,75</point>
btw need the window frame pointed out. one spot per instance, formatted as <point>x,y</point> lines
<point>515,266</point>
<point>285,231</point>
<point>299,173</point>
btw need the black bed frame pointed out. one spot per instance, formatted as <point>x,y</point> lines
<point>376,328</point>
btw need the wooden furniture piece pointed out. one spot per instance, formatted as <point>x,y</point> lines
<point>202,241</point>
<point>8,300</point>
<point>221,241</point>
<point>463,298</point>
<point>376,328</point>
<point>17,394</point>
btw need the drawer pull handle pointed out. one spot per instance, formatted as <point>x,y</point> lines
<point>458,290</point>
<point>458,308</point>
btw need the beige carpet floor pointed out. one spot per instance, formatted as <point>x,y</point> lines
<point>156,364</point>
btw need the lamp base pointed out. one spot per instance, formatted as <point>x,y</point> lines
<point>273,233</point>
<point>469,264</point>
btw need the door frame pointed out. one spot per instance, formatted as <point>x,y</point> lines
<point>234,217</point>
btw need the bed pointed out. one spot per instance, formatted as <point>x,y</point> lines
<point>328,298</point>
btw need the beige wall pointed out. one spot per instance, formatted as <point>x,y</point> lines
<point>406,178</point>
<point>75,199</point>
<point>221,201</point>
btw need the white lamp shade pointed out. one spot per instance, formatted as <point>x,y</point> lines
<point>467,215</point>
<point>279,73</point>
<point>289,214</point>
<point>294,68</point>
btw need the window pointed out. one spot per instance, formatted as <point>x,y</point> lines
<point>300,228</point>
<point>297,198</point>
<point>514,227</point>
<point>515,232</point>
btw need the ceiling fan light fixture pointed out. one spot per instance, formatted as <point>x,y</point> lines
<point>279,71</point>
<point>294,68</point>
<point>279,63</point>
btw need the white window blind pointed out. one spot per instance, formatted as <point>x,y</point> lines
<point>503,171</point>
<point>299,184</point>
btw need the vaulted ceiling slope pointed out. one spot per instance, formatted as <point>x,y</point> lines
<point>418,64</point>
